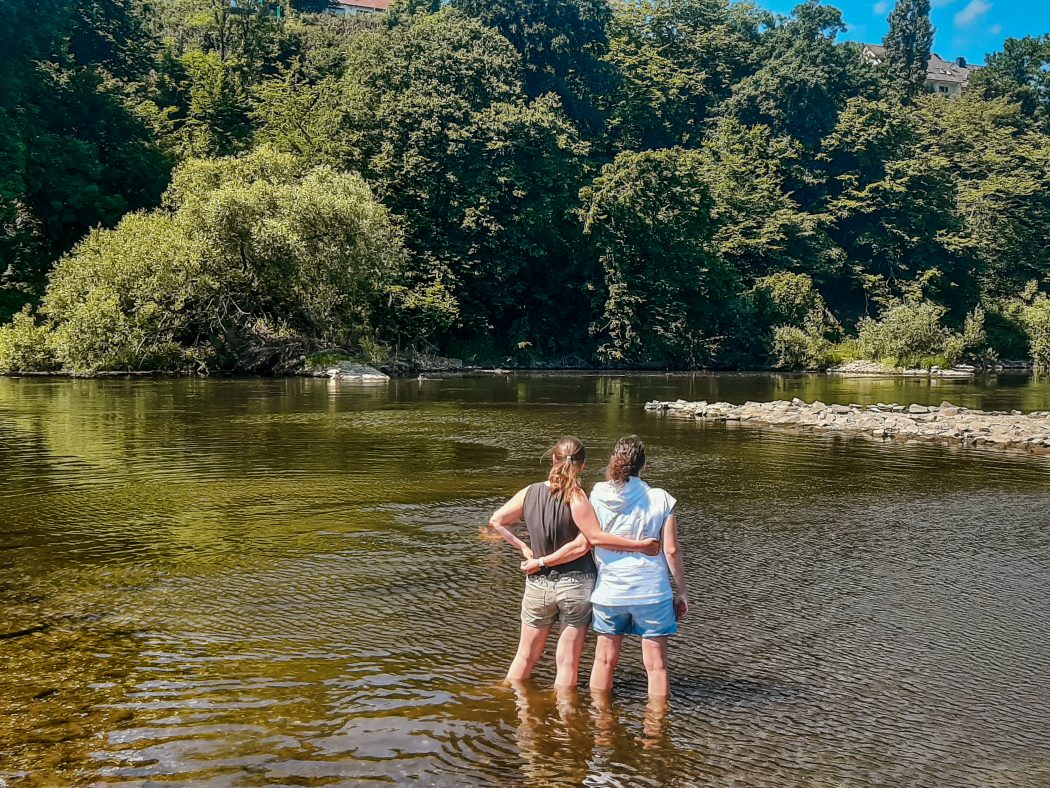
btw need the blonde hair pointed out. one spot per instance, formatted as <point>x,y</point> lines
<point>567,456</point>
<point>627,460</point>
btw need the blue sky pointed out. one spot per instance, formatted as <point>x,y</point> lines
<point>967,28</point>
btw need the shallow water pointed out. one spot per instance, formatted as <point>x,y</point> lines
<point>281,582</point>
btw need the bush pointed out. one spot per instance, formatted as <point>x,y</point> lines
<point>1036,319</point>
<point>254,261</point>
<point>910,333</point>
<point>26,346</point>
<point>803,338</point>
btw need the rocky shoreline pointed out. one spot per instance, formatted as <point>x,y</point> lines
<point>946,423</point>
<point>867,369</point>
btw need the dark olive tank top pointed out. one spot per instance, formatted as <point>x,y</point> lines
<point>550,524</point>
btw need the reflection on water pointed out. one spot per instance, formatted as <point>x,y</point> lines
<point>281,582</point>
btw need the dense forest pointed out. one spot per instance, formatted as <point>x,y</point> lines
<point>190,186</point>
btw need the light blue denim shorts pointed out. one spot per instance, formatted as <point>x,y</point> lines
<point>650,620</point>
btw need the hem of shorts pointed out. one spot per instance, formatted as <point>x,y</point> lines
<point>539,626</point>
<point>665,635</point>
<point>625,634</point>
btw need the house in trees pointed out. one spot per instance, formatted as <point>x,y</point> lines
<point>355,7</point>
<point>947,77</point>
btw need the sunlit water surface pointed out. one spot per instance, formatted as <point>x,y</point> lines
<point>281,582</point>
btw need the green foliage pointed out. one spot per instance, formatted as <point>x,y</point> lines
<point>748,184</point>
<point>761,228</point>
<point>326,358</point>
<point>676,60</point>
<point>1021,75</point>
<point>486,183</point>
<point>908,44</point>
<point>649,216</point>
<point>375,352</point>
<point>1000,172</point>
<point>73,154</point>
<point>803,78</point>
<point>25,346</point>
<point>560,43</point>
<point>911,333</point>
<point>801,348</point>
<point>253,261</point>
<point>803,328</point>
<point>1036,319</point>
<point>1029,314</point>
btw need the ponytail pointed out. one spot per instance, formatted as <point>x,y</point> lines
<point>567,456</point>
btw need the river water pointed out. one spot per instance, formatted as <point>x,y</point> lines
<point>282,582</point>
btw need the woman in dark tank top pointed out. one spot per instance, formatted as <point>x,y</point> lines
<point>560,572</point>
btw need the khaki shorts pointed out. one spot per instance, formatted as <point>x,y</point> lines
<point>559,596</point>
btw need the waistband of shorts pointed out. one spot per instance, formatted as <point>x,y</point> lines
<point>553,575</point>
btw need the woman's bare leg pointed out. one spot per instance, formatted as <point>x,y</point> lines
<point>530,649</point>
<point>654,657</point>
<point>570,647</point>
<point>606,655</point>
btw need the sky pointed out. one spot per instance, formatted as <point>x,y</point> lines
<point>966,28</point>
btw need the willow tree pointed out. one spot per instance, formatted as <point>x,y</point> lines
<point>252,261</point>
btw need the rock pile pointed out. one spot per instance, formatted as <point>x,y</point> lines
<point>345,370</point>
<point>946,423</point>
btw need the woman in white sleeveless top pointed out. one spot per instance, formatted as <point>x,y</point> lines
<point>633,594</point>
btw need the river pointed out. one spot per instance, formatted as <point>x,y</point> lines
<point>282,582</point>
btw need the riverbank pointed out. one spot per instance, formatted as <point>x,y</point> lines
<point>947,423</point>
<point>866,369</point>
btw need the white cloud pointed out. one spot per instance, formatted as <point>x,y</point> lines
<point>996,30</point>
<point>973,11</point>
<point>881,8</point>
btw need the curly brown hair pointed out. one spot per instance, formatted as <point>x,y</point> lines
<point>627,460</point>
<point>567,457</point>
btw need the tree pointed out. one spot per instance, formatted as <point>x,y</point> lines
<point>432,111</point>
<point>73,153</point>
<point>561,43</point>
<point>675,61</point>
<point>1001,173</point>
<point>761,227</point>
<point>1020,73</point>
<point>803,77</point>
<point>908,44</point>
<point>666,293</point>
<point>253,261</point>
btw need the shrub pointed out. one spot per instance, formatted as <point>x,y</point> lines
<point>803,337</point>
<point>254,261</point>
<point>26,346</point>
<point>1036,320</point>
<point>910,333</point>
<point>375,352</point>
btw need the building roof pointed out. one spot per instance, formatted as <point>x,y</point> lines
<point>361,5</point>
<point>940,70</point>
<point>937,70</point>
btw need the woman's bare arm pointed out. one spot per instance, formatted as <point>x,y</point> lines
<point>673,553</point>
<point>586,520</point>
<point>569,551</point>
<point>511,512</point>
